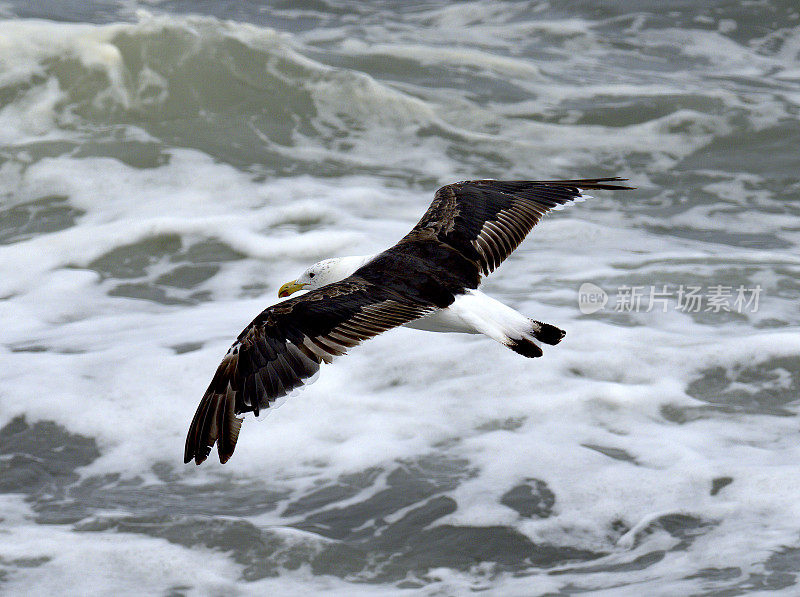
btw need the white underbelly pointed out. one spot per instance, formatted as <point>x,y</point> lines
<point>442,320</point>
<point>476,313</point>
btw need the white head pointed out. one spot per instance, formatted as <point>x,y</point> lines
<point>324,272</point>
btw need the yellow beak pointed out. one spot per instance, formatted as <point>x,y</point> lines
<point>290,288</point>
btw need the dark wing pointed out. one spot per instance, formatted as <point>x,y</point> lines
<point>283,347</point>
<point>485,220</point>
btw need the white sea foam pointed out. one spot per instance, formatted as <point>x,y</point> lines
<point>609,419</point>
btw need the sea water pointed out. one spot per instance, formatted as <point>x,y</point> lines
<point>166,165</point>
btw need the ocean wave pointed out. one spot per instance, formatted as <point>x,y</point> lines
<point>159,180</point>
<point>279,103</point>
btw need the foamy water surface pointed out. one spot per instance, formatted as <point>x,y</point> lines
<point>163,173</point>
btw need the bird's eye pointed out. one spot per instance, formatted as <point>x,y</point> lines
<point>311,275</point>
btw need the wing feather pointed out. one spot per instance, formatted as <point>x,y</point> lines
<point>486,220</point>
<point>282,348</point>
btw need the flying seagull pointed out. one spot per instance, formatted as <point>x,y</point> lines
<point>429,280</point>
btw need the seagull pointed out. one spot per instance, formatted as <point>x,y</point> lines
<point>429,281</point>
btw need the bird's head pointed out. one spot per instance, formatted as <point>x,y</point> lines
<point>324,272</point>
<point>321,273</point>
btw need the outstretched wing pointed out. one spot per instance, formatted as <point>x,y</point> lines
<point>485,220</point>
<point>283,347</point>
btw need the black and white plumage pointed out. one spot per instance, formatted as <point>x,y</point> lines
<point>429,280</point>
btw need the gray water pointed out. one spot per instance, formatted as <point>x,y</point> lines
<point>166,166</point>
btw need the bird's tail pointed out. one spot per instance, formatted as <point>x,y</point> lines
<point>521,340</point>
<point>505,325</point>
<point>524,346</point>
<point>549,334</point>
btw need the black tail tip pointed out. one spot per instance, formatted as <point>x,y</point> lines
<point>549,334</point>
<point>524,347</point>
